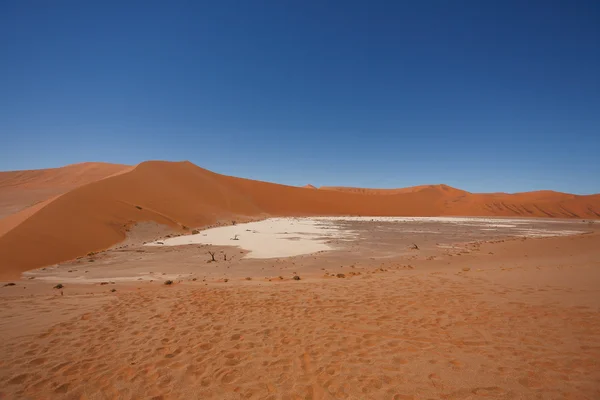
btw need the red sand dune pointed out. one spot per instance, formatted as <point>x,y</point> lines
<point>22,189</point>
<point>96,215</point>
<point>411,189</point>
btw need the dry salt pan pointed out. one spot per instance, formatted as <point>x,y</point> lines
<point>275,237</point>
<point>288,237</point>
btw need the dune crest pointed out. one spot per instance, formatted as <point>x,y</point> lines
<point>22,189</point>
<point>411,189</point>
<point>97,215</point>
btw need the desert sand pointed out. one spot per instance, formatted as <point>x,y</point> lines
<point>23,193</point>
<point>22,189</point>
<point>470,314</point>
<point>110,290</point>
<point>97,215</point>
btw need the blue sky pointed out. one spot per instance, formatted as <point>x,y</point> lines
<point>481,95</point>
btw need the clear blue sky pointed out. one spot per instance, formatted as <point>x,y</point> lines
<point>482,95</point>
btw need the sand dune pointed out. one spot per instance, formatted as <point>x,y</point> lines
<point>444,188</point>
<point>22,189</point>
<point>97,215</point>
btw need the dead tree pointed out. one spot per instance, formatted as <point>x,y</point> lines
<point>212,255</point>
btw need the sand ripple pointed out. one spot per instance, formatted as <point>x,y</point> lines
<point>387,336</point>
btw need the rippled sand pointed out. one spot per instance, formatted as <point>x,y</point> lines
<point>525,325</point>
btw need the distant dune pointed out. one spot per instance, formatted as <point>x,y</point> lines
<point>91,208</point>
<point>444,188</point>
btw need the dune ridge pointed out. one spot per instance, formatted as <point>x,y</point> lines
<point>410,189</point>
<point>97,215</point>
<point>22,189</point>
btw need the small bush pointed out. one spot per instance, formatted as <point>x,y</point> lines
<point>59,286</point>
<point>341,275</point>
<point>138,207</point>
<point>113,290</point>
<point>10,284</point>
<point>169,282</point>
<point>195,232</point>
<point>296,278</point>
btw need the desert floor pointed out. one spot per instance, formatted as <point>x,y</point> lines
<point>470,314</point>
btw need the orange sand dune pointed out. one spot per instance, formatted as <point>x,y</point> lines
<point>97,215</point>
<point>410,189</point>
<point>22,189</point>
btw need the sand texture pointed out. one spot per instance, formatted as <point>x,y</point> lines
<point>22,189</point>
<point>182,196</point>
<point>522,321</point>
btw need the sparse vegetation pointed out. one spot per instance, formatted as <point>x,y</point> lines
<point>233,222</point>
<point>10,284</point>
<point>225,257</point>
<point>225,280</point>
<point>296,278</point>
<point>248,278</point>
<point>341,275</point>
<point>113,290</point>
<point>235,237</point>
<point>138,207</point>
<point>212,255</point>
<point>414,246</point>
<point>195,232</point>
<point>168,282</point>
<point>59,286</point>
